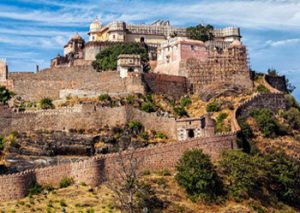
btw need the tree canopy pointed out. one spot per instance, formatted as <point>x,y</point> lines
<point>200,32</point>
<point>5,95</point>
<point>107,58</point>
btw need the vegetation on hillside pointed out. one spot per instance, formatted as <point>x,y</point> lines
<point>200,32</point>
<point>5,95</point>
<point>107,58</point>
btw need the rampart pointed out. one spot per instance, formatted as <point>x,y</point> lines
<point>87,116</point>
<point>103,168</point>
<point>49,82</point>
<point>166,84</point>
<point>273,101</point>
<point>276,82</point>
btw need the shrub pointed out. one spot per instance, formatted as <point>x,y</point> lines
<point>146,198</point>
<point>220,122</point>
<point>292,116</point>
<point>240,173</point>
<point>5,95</point>
<point>265,121</point>
<point>104,97</point>
<point>2,142</point>
<point>46,103</point>
<point>35,189</point>
<point>196,174</point>
<point>284,177</point>
<point>14,144</point>
<point>180,111</point>
<point>65,182</point>
<point>135,126</point>
<point>160,135</point>
<point>144,136</point>
<point>148,107</point>
<point>130,99</point>
<point>186,101</point>
<point>213,107</point>
<point>62,203</point>
<point>262,89</point>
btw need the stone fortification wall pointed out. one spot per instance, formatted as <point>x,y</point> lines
<point>86,116</point>
<point>227,67</point>
<point>101,168</point>
<point>49,82</point>
<point>277,82</point>
<point>166,84</point>
<point>273,101</point>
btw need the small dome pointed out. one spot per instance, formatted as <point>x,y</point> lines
<point>76,36</point>
<point>236,43</point>
<point>95,25</point>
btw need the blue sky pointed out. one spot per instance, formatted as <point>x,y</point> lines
<point>34,31</point>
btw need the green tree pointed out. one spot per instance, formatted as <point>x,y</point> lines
<point>107,58</point>
<point>5,95</point>
<point>196,174</point>
<point>241,174</point>
<point>284,177</point>
<point>200,32</point>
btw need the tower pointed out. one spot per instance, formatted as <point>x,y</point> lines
<point>3,70</point>
<point>95,30</point>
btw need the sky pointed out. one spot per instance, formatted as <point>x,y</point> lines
<point>34,31</point>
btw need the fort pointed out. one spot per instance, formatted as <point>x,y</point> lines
<point>182,67</point>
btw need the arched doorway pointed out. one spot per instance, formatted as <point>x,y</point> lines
<point>190,133</point>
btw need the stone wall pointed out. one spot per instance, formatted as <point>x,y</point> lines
<point>166,84</point>
<point>273,101</point>
<point>277,82</point>
<point>102,168</point>
<point>86,116</point>
<point>49,82</point>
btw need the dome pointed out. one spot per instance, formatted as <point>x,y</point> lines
<point>76,36</point>
<point>95,25</point>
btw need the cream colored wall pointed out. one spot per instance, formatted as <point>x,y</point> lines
<point>151,39</point>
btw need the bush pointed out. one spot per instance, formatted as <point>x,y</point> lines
<point>186,101</point>
<point>292,116</point>
<point>130,99</point>
<point>144,136</point>
<point>148,107</point>
<point>180,111</point>
<point>146,198</point>
<point>5,95</point>
<point>284,176</point>
<point>65,182</point>
<point>62,203</point>
<point>160,135</point>
<point>135,126</point>
<point>2,142</point>
<point>220,122</point>
<point>240,173</point>
<point>265,121</point>
<point>104,97</point>
<point>213,107</point>
<point>34,189</point>
<point>262,89</point>
<point>46,103</point>
<point>196,174</point>
<point>200,32</point>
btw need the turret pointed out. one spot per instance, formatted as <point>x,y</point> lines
<point>95,28</point>
<point>3,70</point>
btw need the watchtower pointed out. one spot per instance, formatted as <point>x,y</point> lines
<point>3,70</point>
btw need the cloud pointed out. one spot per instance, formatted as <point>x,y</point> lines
<point>281,43</point>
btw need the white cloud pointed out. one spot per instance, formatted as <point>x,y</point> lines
<point>281,43</point>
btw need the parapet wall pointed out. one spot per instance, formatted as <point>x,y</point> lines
<point>49,82</point>
<point>273,101</point>
<point>102,168</point>
<point>276,82</point>
<point>87,116</point>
